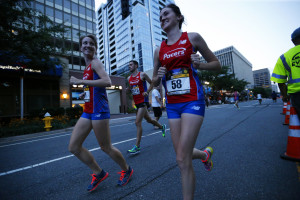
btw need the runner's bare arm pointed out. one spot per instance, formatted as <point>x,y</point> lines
<point>200,45</point>
<point>128,89</point>
<point>104,80</point>
<point>145,77</point>
<point>158,70</point>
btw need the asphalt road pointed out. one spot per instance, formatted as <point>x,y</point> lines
<point>247,165</point>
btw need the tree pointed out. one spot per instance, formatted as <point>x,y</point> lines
<point>27,37</point>
<point>217,80</point>
<point>223,80</point>
<point>265,92</point>
<point>239,85</point>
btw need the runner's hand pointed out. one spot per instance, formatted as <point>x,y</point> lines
<point>161,72</point>
<point>145,94</point>
<point>195,58</point>
<point>74,81</point>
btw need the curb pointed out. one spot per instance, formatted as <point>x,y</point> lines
<point>57,131</point>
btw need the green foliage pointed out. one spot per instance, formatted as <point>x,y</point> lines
<point>265,92</point>
<point>18,127</point>
<point>223,80</point>
<point>60,111</point>
<point>239,85</point>
<point>74,113</point>
<point>28,126</point>
<point>27,37</point>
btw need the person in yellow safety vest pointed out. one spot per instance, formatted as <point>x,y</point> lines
<point>287,70</point>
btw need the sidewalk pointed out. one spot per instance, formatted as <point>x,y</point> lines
<point>57,131</point>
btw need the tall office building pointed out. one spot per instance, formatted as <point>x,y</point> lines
<point>262,78</point>
<point>48,90</point>
<point>129,30</point>
<point>79,14</point>
<point>237,63</point>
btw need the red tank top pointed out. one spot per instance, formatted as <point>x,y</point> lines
<point>138,86</point>
<point>181,82</point>
<point>95,97</point>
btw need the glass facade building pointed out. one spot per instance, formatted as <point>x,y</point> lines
<point>79,15</point>
<point>39,90</point>
<point>237,63</point>
<point>129,30</point>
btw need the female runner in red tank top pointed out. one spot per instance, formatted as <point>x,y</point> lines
<point>175,62</point>
<point>95,116</point>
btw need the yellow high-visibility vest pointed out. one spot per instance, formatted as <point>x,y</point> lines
<point>287,69</point>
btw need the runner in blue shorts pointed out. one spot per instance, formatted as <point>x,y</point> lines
<point>176,64</point>
<point>95,116</point>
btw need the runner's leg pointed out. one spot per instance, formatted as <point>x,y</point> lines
<point>184,133</point>
<point>151,121</point>
<point>102,133</point>
<point>79,134</point>
<point>138,122</point>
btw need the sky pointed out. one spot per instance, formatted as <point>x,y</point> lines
<point>259,29</point>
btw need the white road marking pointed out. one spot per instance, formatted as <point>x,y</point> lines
<point>64,157</point>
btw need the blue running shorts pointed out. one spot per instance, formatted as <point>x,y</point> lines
<point>96,116</point>
<point>174,110</point>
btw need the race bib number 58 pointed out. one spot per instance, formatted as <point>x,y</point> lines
<point>178,81</point>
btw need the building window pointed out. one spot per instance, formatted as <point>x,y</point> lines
<point>89,2</point>
<point>89,13</point>
<point>49,11</point>
<point>82,23</point>
<point>40,7</point>
<point>75,33</point>
<point>82,10</point>
<point>89,25</point>
<point>67,4</point>
<point>74,20</point>
<point>58,14</point>
<point>74,7</point>
<point>58,2</point>
<point>67,17</point>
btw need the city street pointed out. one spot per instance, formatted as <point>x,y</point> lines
<point>247,145</point>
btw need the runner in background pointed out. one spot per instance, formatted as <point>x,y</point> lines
<point>138,87</point>
<point>236,99</point>
<point>157,103</point>
<point>259,98</point>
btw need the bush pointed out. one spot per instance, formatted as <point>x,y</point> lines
<point>19,127</point>
<point>74,113</point>
<point>41,112</point>
<point>59,111</point>
<point>28,126</point>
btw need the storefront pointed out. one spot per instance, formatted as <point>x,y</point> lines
<point>39,90</point>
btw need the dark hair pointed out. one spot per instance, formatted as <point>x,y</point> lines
<point>177,11</point>
<point>134,62</point>
<point>90,36</point>
<point>296,40</point>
